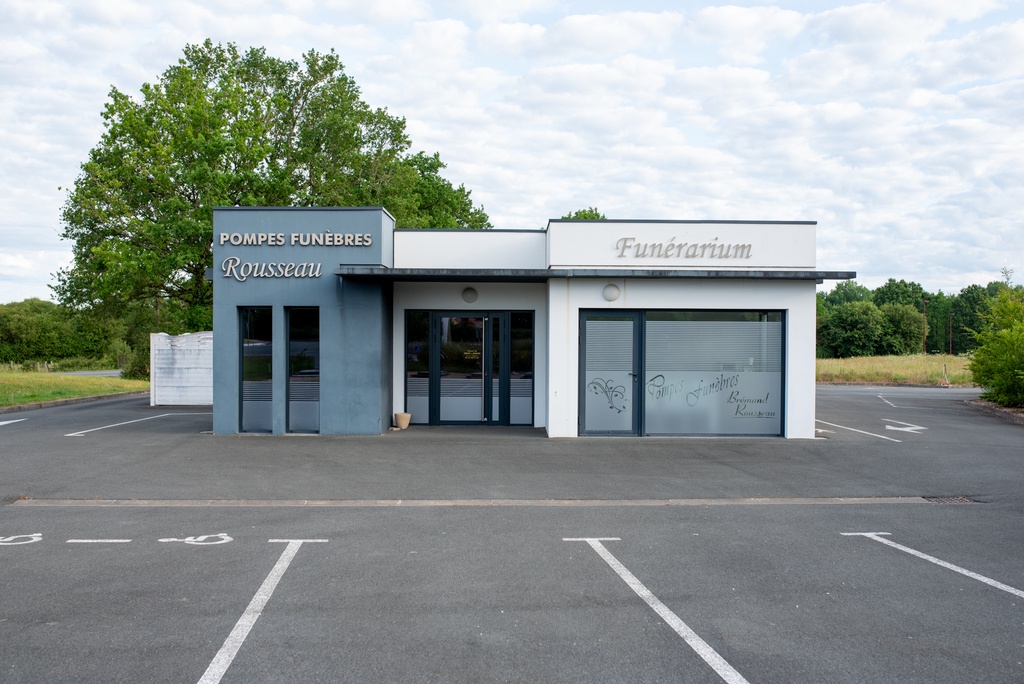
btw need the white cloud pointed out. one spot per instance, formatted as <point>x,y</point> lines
<point>744,33</point>
<point>511,39</point>
<point>390,12</point>
<point>497,10</point>
<point>27,274</point>
<point>613,34</point>
<point>996,52</point>
<point>949,10</point>
<point>897,125</point>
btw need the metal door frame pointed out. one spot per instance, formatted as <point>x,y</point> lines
<point>487,366</point>
<point>638,345</point>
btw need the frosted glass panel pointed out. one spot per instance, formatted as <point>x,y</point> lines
<point>713,377</point>
<point>608,375</point>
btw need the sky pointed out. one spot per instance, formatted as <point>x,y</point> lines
<point>897,125</point>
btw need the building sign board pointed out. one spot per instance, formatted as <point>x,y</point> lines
<point>253,245</point>
<point>701,245</point>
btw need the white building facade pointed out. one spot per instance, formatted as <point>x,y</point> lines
<point>587,328</point>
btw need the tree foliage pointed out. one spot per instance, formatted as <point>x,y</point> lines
<point>940,306</point>
<point>902,330</point>
<point>223,128</point>
<point>998,362</point>
<point>588,214</point>
<point>38,330</point>
<point>436,203</point>
<point>847,291</point>
<point>853,329</point>
<point>953,320</point>
<point>969,310</point>
<point>899,292</point>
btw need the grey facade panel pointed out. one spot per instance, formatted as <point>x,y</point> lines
<point>283,258</point>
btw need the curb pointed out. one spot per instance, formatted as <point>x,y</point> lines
<point>71,400</point>
<point>995,410</point>
<point>838,383</point>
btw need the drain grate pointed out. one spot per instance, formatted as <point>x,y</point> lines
<point>949,499</point>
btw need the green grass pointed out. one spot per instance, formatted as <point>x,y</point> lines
<point>18,387</point>
<point>916,369</point>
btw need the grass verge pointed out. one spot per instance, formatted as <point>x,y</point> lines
<point>17,387</point>
<point>916,369</point>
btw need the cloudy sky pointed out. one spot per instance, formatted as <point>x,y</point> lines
<point>897,125</point>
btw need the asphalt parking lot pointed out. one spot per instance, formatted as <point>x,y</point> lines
<point>135,546</point>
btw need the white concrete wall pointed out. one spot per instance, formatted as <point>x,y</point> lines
<point>464,249</point>
<point>181,369</point>
<point>567,297</point>
<point>490,297</point>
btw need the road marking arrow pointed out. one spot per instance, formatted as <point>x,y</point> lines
<point>908,427</point>
<point>8,422</point>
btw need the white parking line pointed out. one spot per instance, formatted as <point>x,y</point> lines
<point>878,537</point>
<point>701,647</point>
<point>843,427</point>
<point>129,422</point>
<point>226,654</point>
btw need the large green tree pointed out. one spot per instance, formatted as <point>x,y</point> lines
<point>969,310</point>
<point>847,291</point>
<point>852,329</point>
<point>940,322</point>
<point>226,128</point>
<point>899,292</point>
<point>902,330</point>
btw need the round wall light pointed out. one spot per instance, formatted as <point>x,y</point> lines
<point>469,295</point>
<point>610,292</point>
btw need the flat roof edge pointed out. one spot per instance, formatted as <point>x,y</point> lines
<point>304,209</point>
<point>706,221</point>
<point>542,275</point>
<point>486,231</point>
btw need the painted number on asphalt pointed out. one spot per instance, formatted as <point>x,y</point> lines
<point>21,539</point>
<point>219,538</point>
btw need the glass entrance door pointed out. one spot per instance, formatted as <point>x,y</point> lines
<point>610,373</point>
<point>469,367</point>
<point>465,368</point>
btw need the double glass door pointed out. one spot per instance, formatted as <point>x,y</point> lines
<point>470,367</point>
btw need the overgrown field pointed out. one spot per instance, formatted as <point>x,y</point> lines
<point>916,369</point>
<point>19,387</point>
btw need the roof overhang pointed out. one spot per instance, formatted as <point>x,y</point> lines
<point>541,275</point>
